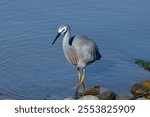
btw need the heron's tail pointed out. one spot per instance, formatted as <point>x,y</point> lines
<point>98,54</point>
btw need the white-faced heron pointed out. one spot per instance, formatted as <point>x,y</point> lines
<point>80,51</point>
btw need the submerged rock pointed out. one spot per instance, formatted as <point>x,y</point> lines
<point>108,95</point>
<point>145,64</point>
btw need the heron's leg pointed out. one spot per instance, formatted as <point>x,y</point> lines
<point>83,88</point>
<point>83,76</point>
<point>76,93</point>
<point>78,86</point>
<point>81,83</point>
<point>79,75</point>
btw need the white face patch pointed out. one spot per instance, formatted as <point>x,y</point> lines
<point>62,29</point>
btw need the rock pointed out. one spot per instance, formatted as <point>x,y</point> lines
<point>137,89</point>
<point>92,91</point>
<point>102,90</point>
<point>108,95</point>
<point>141,90</point>
<point>147,96</point>
<point>69,98</point>
<point>141,98</point>
<point>88,97</point>
<point>146,84</point>
<point>124,97</point>
<point>143,63</point>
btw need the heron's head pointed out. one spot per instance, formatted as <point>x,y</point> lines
<point>61,31</point>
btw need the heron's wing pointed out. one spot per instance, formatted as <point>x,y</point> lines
<point>86,49</point>
<point>71,56</point>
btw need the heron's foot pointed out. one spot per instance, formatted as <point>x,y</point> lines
<point>83,89</point>
<point>77,89</point>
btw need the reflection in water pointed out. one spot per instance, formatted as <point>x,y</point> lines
<point>30,68</point>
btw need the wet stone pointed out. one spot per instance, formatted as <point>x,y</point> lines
<point>137,89</point>
<point>146,84</point>
<point>108,95</point>
<point>92,91</point>
<point>124,97</point>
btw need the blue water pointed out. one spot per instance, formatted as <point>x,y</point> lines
<point>31,68</point>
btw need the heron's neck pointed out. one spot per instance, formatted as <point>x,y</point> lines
<point>66,39</point>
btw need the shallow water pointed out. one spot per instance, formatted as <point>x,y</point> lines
<point>30,68</point>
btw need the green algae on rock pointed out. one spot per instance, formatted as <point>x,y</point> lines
<point>143,63</point>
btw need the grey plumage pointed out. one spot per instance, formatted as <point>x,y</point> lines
<point>79,50</point>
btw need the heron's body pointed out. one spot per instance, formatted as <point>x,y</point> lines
<point>79,50</point>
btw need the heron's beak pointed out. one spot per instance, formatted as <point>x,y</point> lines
<point>56,38</point>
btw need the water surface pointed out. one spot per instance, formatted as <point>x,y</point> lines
<point>31,68</point>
